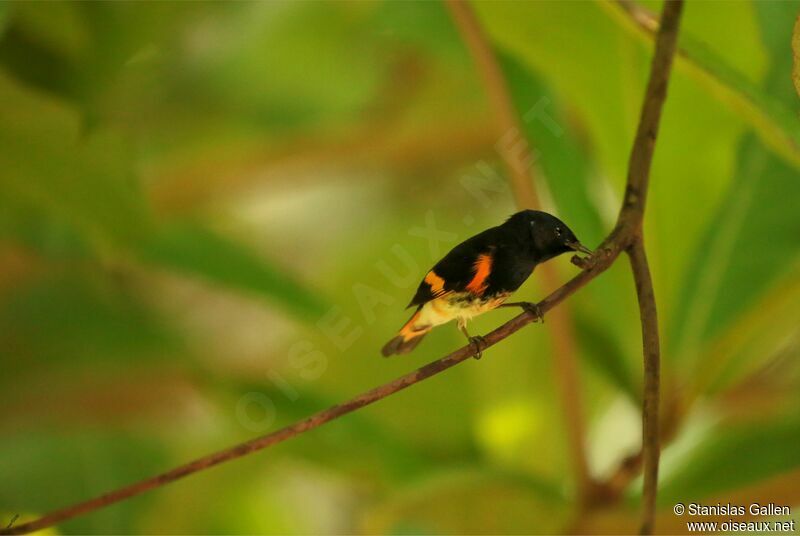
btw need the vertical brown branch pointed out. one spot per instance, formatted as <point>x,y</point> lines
<point>520,169</point>
<point>631,218</point>
<point>651,447</point>
<point>633,206</point>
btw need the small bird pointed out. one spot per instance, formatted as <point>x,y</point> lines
<point>479,274</point>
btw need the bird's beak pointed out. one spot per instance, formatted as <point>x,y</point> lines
<point>577,246</point>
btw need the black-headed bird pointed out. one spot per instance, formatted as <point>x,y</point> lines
<point>479,274</point>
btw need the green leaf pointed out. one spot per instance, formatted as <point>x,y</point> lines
<point>749,243</point>
<point>733,458</point>
<point>752,240</point>
<point>755,340</point>
<point>78,316</point>
<point>426,25</point>
<point>262,69</point>
<point>195,250</point>
<point>83,53</point>
<point>796,55</point>
<point>86,192</point>
<point>43,48</point>
<point>603,352</point>
<point>86,184</point>
<point>461,501</point>
<point>557,40</point>
<point>564,162</point>
<point>771,120</point>
<point>4,9</point>
<point>28,225</point>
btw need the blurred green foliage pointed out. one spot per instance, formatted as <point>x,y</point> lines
<point>213,214</point>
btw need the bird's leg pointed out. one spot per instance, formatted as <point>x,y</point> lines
<point>477,341</point>
<point>528,307</point>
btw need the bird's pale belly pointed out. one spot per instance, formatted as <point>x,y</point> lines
<point>461,306</point>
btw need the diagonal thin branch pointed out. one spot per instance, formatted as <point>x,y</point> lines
<point>519,165</point>
<point>625,236</point>
<point>322,417</point>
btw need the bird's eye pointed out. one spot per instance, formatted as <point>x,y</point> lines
<point>558,231</point>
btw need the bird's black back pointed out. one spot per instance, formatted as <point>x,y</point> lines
<point>499,259</point>
<point>511,264</point>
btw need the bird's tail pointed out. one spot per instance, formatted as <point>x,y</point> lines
<point>407,338</point>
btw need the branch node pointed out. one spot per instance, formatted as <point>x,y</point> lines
<point>584,263</point>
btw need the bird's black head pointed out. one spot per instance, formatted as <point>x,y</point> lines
<point>545,235</point>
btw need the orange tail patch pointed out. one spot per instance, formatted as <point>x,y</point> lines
<point>407,339</point>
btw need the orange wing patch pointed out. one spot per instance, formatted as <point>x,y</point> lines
<point>435,282</point>
<point>483,267</point>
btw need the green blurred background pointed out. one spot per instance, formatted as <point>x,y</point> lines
<point>213,214</point>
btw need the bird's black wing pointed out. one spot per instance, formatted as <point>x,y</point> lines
<point>465,268</point>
